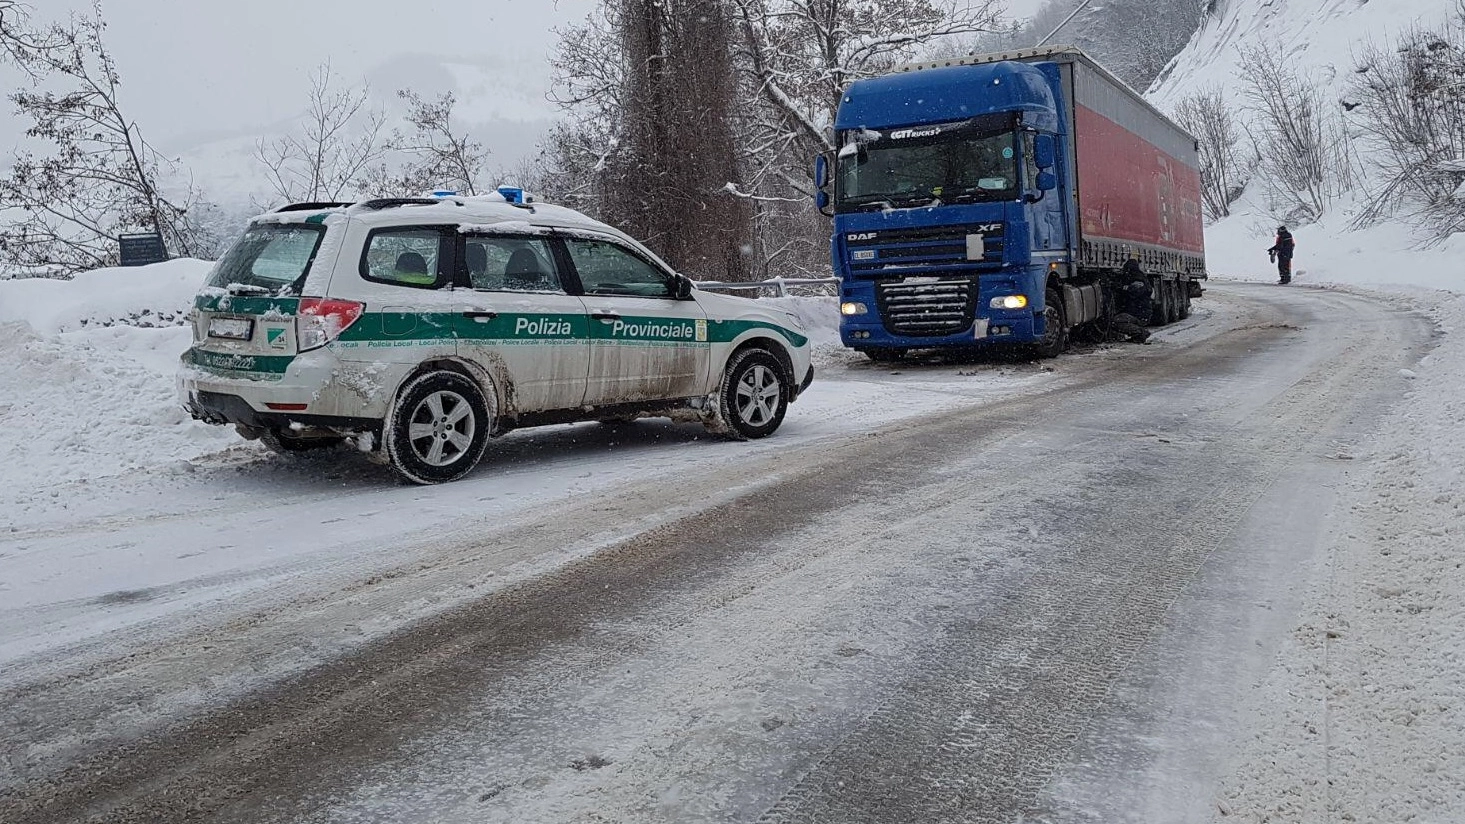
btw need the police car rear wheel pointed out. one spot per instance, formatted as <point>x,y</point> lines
<point>439,428</point>
<point>754,396</point>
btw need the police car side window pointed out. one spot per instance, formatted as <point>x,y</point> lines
<point>405,257</point>
<point>510,264</point>
<point>608,269</point>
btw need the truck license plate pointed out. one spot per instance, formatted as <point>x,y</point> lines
<point>979,329</point>
<point>231,328</point>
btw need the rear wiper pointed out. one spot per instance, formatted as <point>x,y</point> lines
<point>246,289</point>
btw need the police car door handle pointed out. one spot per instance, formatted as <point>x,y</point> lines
<point>605,316</point>
<point>484,314</point>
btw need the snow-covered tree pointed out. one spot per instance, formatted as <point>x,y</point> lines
<point>1224,173</point>
<point>797,56</point>
<point>98,177</point>
<point>1135,39</point>
<point>1411,108</point>
<point>339,139</point>
<point>1299,139</point>
<point>436,152</point>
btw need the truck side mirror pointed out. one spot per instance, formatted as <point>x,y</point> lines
<point>1045,152</point>
<point>821,171</point>
<point>1047,181</point>
<point>821,200</point>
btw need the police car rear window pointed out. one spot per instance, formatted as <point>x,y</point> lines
<point>275,257</point>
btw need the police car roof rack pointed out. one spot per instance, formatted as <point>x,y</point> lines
<point>312,206</point>
<point>393,202</point>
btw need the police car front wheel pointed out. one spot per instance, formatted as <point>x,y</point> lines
<point>438,428</point>
<point>754,396</point>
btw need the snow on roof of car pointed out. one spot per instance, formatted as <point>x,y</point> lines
<point>478,210</point>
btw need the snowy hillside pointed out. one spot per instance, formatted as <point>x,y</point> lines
<point>1317,35</point>
<point>1320,40</point>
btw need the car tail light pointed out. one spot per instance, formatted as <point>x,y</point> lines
<point>322,320</point>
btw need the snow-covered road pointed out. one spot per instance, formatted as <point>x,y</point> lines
<point>943,592</point>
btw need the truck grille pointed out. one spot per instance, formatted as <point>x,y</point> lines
<point>927,307</point>
<point>937,249</point>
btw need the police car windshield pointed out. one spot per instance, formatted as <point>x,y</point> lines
<point>961,162</point>
<point>270,259</point>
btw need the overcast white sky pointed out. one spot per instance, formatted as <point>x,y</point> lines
<point>219,66</point>
<point>200,71</point>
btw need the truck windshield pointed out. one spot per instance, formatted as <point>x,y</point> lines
<point>269,259</point>
<point>948,163</point>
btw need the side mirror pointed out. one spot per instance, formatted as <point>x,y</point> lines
<point>1045,152</point>
<point>1047,181</point>
<point>681,287</point>
<point>821,171</point>
<point>821,200</point>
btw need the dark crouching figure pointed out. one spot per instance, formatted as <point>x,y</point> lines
<point>1281,253</point>
<point>1133,306</point>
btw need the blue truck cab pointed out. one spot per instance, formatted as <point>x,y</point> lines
<point>956,212</point>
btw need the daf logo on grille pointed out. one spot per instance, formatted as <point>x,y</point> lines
<point>862,236</point>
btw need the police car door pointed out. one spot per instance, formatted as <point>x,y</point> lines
<point>645,345</point>
<point>521,320</point>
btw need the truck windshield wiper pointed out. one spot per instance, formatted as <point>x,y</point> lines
<point>975,194</point>
<point>891,201</point>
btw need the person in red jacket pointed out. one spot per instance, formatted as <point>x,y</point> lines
<point>1281,253</point>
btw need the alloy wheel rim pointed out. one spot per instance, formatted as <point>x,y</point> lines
<point>757,396</point>
<point>441,428</point>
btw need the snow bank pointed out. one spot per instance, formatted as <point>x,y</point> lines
<point>88,385</point>
<point>1327,253</point>
<point>156,295</point>
<point>1318,36</point>
<point>93,403</point>
<point>819,316</point>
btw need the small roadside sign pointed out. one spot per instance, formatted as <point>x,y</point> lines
<point>142,248</point>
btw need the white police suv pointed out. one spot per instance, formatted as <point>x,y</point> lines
<point>420,328</point>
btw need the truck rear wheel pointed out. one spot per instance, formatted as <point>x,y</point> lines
<point>1184,290</point>
<point>1160,312</point>
<point>1055,327</point>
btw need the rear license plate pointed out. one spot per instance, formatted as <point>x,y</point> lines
<point>231,328</point>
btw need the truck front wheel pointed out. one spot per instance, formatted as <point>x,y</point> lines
<point>1055,327</point>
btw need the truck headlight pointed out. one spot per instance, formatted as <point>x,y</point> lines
<point>853,308</point>
<point>1010,302</point>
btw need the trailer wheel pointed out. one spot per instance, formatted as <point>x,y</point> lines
<point>1184,301</point>
<point>1160,309</point>
<point>1055,327</point>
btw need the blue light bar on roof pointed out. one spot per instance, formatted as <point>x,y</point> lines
<point>512,194</point>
